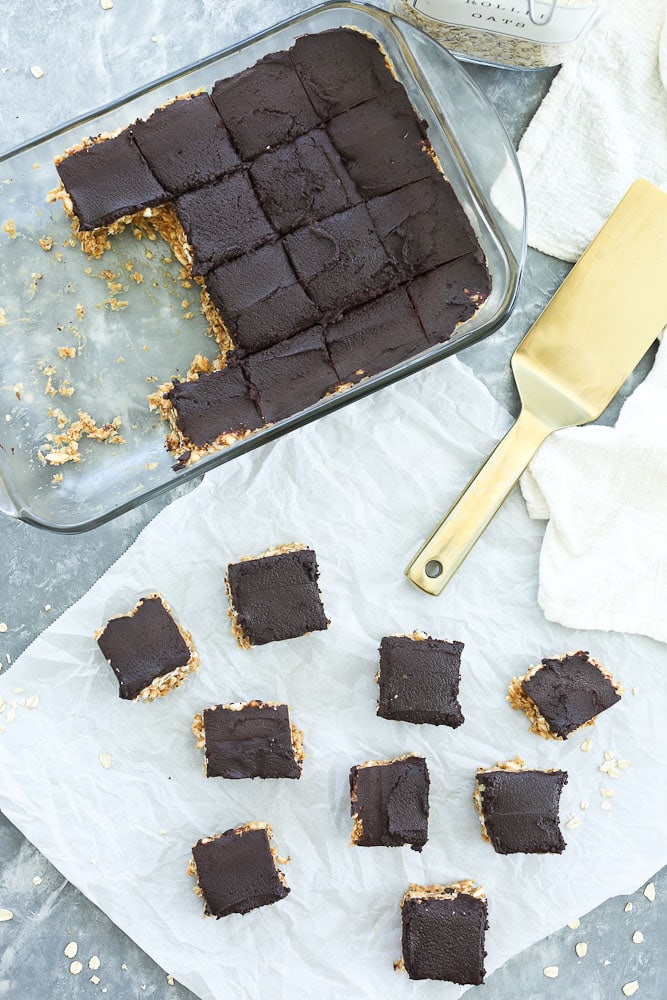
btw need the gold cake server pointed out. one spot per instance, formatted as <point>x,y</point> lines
<point>569,366</point>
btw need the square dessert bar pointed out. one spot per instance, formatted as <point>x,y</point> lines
<point>518,808</point>
<point>443,932</point>
<point>236,871</point>
<point>147,650</point>
<point>419,680</point>
<point>275,596</point>
<point>563,694</point>
<point>304,197</point>
<point>254,739</point>
<point>389,802</point>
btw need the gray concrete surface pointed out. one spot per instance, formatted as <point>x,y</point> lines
<point>90,56</point>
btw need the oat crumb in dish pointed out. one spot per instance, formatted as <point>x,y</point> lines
<point>46,243</point>
<point>67,352</point>
<point>9,227</point>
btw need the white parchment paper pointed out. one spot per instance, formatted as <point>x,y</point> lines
<point>362,487</point>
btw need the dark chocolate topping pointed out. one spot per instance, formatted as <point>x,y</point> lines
<point>340,260</point>
<point>277,597</point>
<point>143,646</point>
<point>391,800</point>
<point>250,742</point>
<point>236,872</point>
<point>421,226</point>
<point>375,337</point>
<point>291,376</point>
<point>419,680</point>
<point>570,692</point>
<point>215,403</point>
<point>444,939</point>
<point>265,105</point>
<point>185,144</point>
<point>340,69</point>
<point>222,220</point>
<point>381,144</point>
<point>260,300</point>
<point>521,810</point>
<point>303,182</point>
<point>108,180</point>
<point>449,295</point>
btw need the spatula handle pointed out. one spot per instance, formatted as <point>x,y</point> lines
<point>440,557</point>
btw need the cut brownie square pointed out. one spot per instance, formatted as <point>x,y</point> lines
<point>518,808</point>
<point>375,337</point>
<point>107,179</point>
<point>443,932</point>
<point>254,739</point>
<point>449,295</point>
<point>291,376</point>
<point>214,406</point>
<point>260,299</point>
<point>275,596</point>
<point>340,69</point>
<point>236,871</point>
<point>381,143</point>
<point>421,226</point>
<point>340,260</point>
<point>185,144</point>
<point>303,182</point>
<point>389,802</point>
<point>419,680</point>
<point>147,650</point>
<point>563,694</point>
<point>222,220</point>
<point>265,105</point>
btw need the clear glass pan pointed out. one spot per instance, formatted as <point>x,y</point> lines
<point>123,353</point>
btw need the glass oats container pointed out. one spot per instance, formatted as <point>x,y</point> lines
<point>528,34</point>
<point>129,335</point>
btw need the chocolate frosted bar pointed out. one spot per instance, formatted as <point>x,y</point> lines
<point>303,182</point>
<point>254,739</point>
<point>265,105</point>
<point>419,680</point>
<point>214,404</point>
<point>443,932</point>
<point>148,652</point>
<point>563,694</point>
<point>107,180</point>
<point>275,596</point>
<point>449,295</point>
<point>389,803</point>
<point>236,871</point>
<point>518,808</point>
<point>340,69</point>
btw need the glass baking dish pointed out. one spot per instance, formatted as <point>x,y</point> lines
<point>135,326</point>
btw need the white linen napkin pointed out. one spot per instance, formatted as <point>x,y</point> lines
<point>603,563</point>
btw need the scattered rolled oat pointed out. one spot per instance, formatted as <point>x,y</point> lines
<point>635,691</point>
<point>628,907</point>
<point>637,937</point>
<point>95,980</point>
<point>609,755</point>
<point>606,793</point>
<point>17,690</point>
<point>11,715</point>
<point>583,804</point>
<point>622,764</point>
<point>630,989</point>
<point>123,966</point>
<point>605,804</point>
<point>587,745</point>
<point>37,72</point>
<point>36,880</point>
<point>75,968</point>
<point>550,971</point>
<point>6,915</point>
<point>94,963</point>
<point>170,980</point>
<point>47,607</point>
<point>581,948</point>
<point>574,924</point>
<point>105,760</point>
<point>106,4</point>
<point>71,949</point>
<point>573,823</point>
<point>649,892</point>
<point>3,627</point>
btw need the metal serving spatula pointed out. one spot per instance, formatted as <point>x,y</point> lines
<point>569,366</point>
